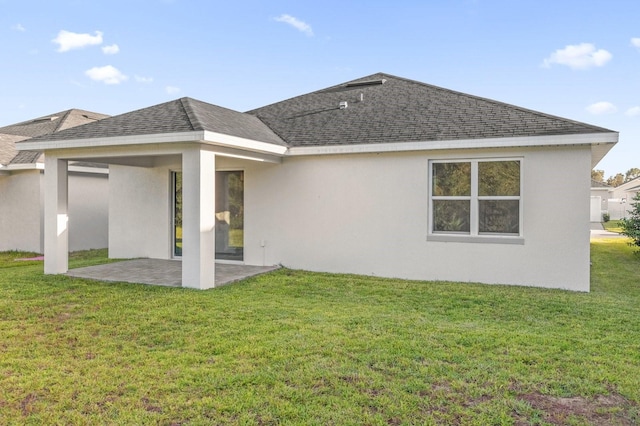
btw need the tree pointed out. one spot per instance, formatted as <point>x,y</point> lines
<point>632,174</point>
<point>597,175</point>
<point>616,180</point>
<point>631,225</point>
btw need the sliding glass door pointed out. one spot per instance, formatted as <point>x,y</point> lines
<point>229,215</point>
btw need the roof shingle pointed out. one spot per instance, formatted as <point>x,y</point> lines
<point>180,115</point>
<point>401,110</point>
<point>38,127</point>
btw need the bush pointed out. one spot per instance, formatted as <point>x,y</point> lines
<point>606,217</point>
<point>631,225</point>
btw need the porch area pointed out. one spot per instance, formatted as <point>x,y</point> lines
<point>161,272</point>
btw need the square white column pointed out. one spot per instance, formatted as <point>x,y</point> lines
<point>198,218</point>
<point>56,217</point>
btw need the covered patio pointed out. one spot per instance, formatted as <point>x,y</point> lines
<point>167,273</point>
<point>143,150</point>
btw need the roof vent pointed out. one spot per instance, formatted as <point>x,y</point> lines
<point>44,120</point>
<point>344,105</point>
<point>367,83</point>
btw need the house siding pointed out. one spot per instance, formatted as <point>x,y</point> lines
<point>140,211</point>
<point>368,214</point>
<point>20,210</point>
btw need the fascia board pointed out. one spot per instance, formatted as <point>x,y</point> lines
<point>528,141</point>
<point>28,145</point>
<point>23,166</point>
<point>200,136</point>
<point>215,138</point>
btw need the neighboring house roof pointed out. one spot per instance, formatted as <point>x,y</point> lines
<point>382,108</point>
<point>41,126</point>
<point>599,185</point>
<point>180,115</point>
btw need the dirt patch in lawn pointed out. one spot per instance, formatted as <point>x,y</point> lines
<point>613,409</point>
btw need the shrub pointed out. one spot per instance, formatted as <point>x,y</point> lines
<point>606,217</point>
<point>631,225</point>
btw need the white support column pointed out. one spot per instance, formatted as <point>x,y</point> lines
<point>56,218</point>
<point>198,218</point>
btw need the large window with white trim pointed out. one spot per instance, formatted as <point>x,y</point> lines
<point>476,197</point>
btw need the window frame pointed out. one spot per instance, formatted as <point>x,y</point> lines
<point>474,235</point>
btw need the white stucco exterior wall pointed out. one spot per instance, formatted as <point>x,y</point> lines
<point>139,212</point>
<point>367,214</point>
<point>20,211</point>
<point>88,211</point>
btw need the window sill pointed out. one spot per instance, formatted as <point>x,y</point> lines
<point>482,239</point>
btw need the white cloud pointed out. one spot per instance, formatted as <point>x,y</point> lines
<point>18,27</point>
<point>296,23</point>
<point>172,90</point>
<point>107,74</point>
<point>141,79</point>
<point>110,50</point>
<point>635,42</point>
<point>602,108</point>
<point>67,40</point>
<point>579,56</point>
<point>633,112</point>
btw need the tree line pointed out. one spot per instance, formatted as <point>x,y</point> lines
<point>616,180</point>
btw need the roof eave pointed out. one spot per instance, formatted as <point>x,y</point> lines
<point>199,136</point>
<point>605,139</point>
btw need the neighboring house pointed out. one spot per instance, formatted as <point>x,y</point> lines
<point>620,198</point>
<point>379,176</point>
<point>599,200</point>
<point>22,183</point>
<point>614,201</point>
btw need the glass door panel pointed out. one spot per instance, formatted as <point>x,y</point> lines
<point>229,215</point>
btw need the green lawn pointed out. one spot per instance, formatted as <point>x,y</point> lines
<point>294,347</point>
<point>613,226</point>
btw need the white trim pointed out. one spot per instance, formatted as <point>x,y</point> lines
<point>248,144</point>
<point>202,136</point>
<point>24,166</point>
<point>29,145</point>
<point>527,141</point>
<point>90,170</point>
<point>40,166</point>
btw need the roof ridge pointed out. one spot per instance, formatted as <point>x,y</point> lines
<point>192,116</point>
<point>62,119</point>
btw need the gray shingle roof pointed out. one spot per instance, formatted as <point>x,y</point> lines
<point>402,110</point>
<point>180,115</point>
<point>38,127</point>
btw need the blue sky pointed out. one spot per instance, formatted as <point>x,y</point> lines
<point>575,59</point>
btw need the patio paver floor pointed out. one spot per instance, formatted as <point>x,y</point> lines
<point>162,272</point>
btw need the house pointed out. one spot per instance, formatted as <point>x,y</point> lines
<point>599,200</point>
<point>22,183</point>
<point>615,201</point>
<point>380,176</point>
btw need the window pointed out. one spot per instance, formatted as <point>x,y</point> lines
<point>475,198</point>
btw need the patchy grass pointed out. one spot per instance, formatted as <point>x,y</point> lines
<point>295,347</point>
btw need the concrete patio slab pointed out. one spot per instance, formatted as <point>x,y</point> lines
<point>162,272</point>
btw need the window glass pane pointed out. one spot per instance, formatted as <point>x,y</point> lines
<point>451,179</point>
<point>177,214</point>
<point>499,178</point>
<point>499,216</point>
<point>451,215</point>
